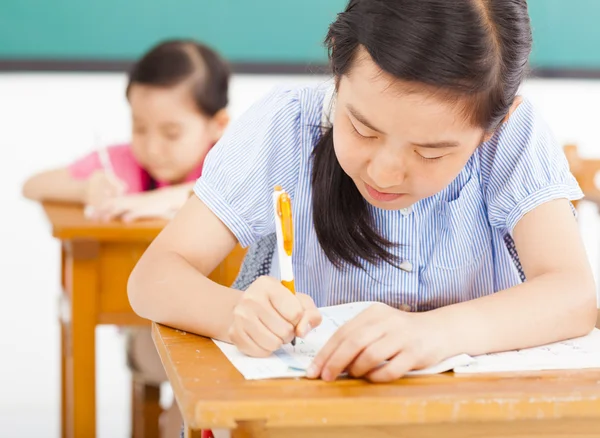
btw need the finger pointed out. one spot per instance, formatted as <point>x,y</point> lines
<point>133,215</point>
<point>120,186</point>
<point>113,208</point>
<point>346,351</point>
<point>275,323</point>
<point>397,367</point>
<point>359,324</point>
<point>311,318</point>
<point>113,213</point>
<point>285,302</point>
<point>261,335</point>
<point>89,212</point>
<point>146,213</point>
<point>245,343</point>
<point>374,356</point>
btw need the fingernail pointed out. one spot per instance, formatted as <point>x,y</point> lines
<point>305,330</point>
<point>311,372</point>
<point>326,375</point>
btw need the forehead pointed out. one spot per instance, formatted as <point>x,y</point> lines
<point>147,99</point>
<point>412,110</point>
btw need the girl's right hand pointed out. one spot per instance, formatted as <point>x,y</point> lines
<point>268,316</point>
<point>100,188</point>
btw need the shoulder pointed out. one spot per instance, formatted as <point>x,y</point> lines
<point>284,121</point>
<point>121,153</point>
<point>525,133</point>
<point>523,166</point>
<point>303,102</point>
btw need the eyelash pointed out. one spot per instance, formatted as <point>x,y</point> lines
<point>359,135</point>
<point>425,159</point>
<point>428,160</point>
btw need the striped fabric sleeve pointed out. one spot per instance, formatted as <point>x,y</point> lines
<point>522,168</point>
<point>260,150</point>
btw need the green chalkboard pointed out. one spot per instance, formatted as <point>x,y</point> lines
<point>566,32</point>
<point>242,30</point>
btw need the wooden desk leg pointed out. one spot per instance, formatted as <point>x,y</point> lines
<point>146,409</point>
<point>63,347</point>
<point>63,380</point>
<point>249,429</point>
<point>84,289</point>
<point>190,433</point>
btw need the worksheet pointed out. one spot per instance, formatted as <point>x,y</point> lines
<point>573,354</point>
<point>292,361</point>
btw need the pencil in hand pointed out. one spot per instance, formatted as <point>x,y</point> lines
<point>282,205</point>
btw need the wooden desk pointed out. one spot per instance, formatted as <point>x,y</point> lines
<point>97,259</point>
<point>212,394</point>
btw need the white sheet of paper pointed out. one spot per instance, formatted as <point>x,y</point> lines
<point>292,362</point>
<point>578,353</point>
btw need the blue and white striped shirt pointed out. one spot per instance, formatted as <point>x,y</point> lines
<point>452,245</point>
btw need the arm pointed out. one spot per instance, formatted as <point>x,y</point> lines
<point>232,203</point>
<point>163,202</point>
<point>55,185</point>
<point>166,199</point>
<point>170,285</point>
<point>557,302</point>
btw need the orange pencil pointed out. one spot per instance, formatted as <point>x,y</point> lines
<point>285,238</point>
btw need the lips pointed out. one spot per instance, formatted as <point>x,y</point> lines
<point>382,196</point>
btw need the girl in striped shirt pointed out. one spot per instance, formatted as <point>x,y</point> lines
<point>422,182</point>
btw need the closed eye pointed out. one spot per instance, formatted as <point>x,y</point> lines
<point>429,159</point>
<point>357,133</point>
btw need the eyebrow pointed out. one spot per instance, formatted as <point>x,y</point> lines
<point>358,116</point>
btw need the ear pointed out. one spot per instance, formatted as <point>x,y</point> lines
<point>514,106</point>
<point>218,123</point>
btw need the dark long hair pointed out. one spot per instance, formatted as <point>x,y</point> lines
<point>471,52</point>
<point>173,62</point>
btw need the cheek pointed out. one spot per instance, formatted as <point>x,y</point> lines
<point>193,146</point>
<point>433,179</point>
<point>138,149</point>
<point>348,151</point>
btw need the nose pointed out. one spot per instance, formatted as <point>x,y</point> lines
<point>154,148</point>
<point>387,168</point>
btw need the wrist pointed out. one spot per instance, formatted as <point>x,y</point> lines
<point>446,337</point>
<point>231,298</point>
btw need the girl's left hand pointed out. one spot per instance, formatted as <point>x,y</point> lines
<point>156,204</point>
<point>407,341</point>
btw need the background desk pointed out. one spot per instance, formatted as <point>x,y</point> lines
<point>96,262</point>
<point>212,394</point>
<point>97,259</point>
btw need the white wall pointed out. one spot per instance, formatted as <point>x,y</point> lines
<point>47,120</point>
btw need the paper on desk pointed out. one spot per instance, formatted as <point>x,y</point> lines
<point>290,362</point>
<point>578,353</point>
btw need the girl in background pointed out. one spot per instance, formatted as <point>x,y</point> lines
<point>178,93</point>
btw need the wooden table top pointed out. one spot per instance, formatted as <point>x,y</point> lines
<point>68,222</point>
<point>212,393</point>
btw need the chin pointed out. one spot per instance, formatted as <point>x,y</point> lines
<point>161,175</point>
